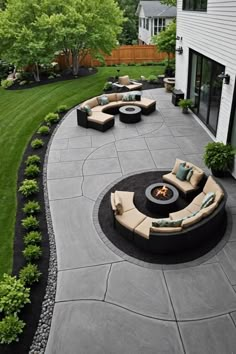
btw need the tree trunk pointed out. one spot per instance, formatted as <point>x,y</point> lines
<point>75,61</point>
<point>36,72</point>
<point>67,56</point>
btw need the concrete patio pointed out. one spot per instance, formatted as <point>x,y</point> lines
<point>108,302</point>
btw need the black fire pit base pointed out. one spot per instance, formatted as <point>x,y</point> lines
<point>161,206</point>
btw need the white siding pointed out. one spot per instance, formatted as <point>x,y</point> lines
<point>213,34</point>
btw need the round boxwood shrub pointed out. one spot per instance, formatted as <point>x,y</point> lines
<point>51,118</point>
<point>32,171</point>
<point>29,187</point>
<point>10,328</point>
<point>37,143</point>
<point>33,160</point>
<point>32,238</point>
<point>31,207</point>
<point>32,252</point>
<point>44,130</point>
<point>13,295</point>
<point>62,108</point>
<point>30,223</point>
<point>29,274</point>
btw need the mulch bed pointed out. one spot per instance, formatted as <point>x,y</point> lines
<point>44,80</point>
<point>31,312</point>
<point>138,184</point>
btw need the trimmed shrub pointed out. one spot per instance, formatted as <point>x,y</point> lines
<point>33,160</point>
<point>10,328</point>
<point>51,118</point>
<point>32,171</point>
<point>29,187</point>
<point>62,108</point>
<point>13,295</point>
<point>44,130</point>
<point>23,82</point>
<point>37,143</point>
<point>151,78</point>
<point>31,207</point>
<point>30,223</point>
<point>107,86</point>
<point>32,252</point>
<point>6,83</point>
<point>29,274</point>
<point>32,238</point>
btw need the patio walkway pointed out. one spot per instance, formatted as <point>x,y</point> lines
<point>107,302</point>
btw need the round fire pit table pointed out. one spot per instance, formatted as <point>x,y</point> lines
<point>158,203</point>
<point>130,114</point>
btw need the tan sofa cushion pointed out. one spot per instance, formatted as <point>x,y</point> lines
<point>113,202</point>
<point>124,80</point>
<point>134,86</point>
<point>218,196</point>
<point>165,229</point>
<point>126,199</point>
<point>198,199</point>
<point>180,214</point>
<point>112,97</point>
<point>196,177</point>
<point>143,228</point>
<point>105,106</point>
<point>100,117</point>
<point>130,219</point>
<point>92,102</point>
<point>192,207</point>
<point>182,185</point>
<point>208,210</point>
<point>191,221</point>
<point>176,166</point>
<point>118,203</point>
<point>145,102</point>
<point>119,96</point>
<point>211,186</point>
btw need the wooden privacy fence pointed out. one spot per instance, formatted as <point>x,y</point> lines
<point>124,54</point>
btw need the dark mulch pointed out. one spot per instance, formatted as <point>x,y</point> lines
<point>44,80</point>
<point>31,312</point>
<point>138,184</point>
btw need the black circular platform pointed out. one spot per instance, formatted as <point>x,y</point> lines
<point>138,183</point>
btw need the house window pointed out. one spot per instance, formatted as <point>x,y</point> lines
<point>140,22</point>
<point>143,22</point>
<point>195,5</point>
<point>147,24</point>
<point>159,25</point>
<point>205,88</point>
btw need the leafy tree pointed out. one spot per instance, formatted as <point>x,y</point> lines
<point>166,40</point>
<point>129,33</point>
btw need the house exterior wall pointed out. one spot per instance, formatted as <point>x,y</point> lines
<point>213,34</point>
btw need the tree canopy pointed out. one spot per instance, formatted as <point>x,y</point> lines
<point>129,32</point>
<point>166,40</point>
<point>31,32</point>
<point>169,2</point>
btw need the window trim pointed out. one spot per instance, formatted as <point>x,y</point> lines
<point>232,113</point>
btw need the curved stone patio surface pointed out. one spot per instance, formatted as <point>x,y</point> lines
<point>107,302</point>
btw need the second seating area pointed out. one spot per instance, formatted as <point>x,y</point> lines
<point>98,112</point>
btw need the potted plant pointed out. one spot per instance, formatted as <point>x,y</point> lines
<point>219,157</point>
<point>185,104</point>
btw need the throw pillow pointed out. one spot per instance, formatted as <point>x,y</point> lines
<point>208,200</point>
<point>182,172</point>
<point>167,223</point>
<point>118,204</point>
<point>103,100</point>
<point>176,166</point>
<point>196,177</point>
<point>127,97</point>
<point>189,174</point>
<point>87,109</point>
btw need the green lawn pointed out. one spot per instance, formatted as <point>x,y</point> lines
<point>20,114</point>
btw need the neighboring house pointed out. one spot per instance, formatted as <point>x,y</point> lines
<point>207,32</point>
<point>153,18</point>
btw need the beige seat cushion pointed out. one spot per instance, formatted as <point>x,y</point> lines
<point>105,106</point>
<point>184,186</point>
<point>144,227</point>
<point>100,117</point>
<point>180,214</point>
<point>130,219</point>
<point>211,186</point>
<point>218,196</point>
<point>126,199</point>
<point>208,210</point>
<point>192,207</point>
<point>145,102</point>
<point>124,80</point>
<point>113,202</point>
<point>198,199</point>
<point>112,97</point>
<point>191,221</point>
<point>134,86</point>
<point>163,230</point>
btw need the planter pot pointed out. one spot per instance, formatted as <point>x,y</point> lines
<point>218,173</point>
<point>185,110</point>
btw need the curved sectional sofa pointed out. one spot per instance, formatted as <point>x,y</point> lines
<point>194,230</point>
<point>102,117</point>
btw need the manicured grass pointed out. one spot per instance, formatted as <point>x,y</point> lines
<point>20,114</point>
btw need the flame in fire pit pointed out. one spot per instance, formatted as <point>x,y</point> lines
<point>162,192</point>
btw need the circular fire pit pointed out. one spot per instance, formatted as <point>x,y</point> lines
<point>161,198</point>
<point>130,114</point>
